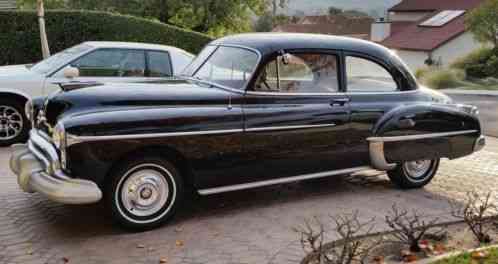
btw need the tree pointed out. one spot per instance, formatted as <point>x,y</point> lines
<point>334,11</point>
<point>275,4</point>
<point>483,22</point>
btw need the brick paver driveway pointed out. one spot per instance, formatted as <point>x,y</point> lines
<point>252,226</point>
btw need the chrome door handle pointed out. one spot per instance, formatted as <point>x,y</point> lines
<point>340,101</point>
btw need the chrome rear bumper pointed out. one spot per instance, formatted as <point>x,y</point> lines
<point>34,176</point>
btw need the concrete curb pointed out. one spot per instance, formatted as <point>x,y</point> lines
<point>469,92</point>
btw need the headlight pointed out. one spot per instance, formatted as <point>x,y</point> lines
<point>29,110</point>
<point>59,136</point>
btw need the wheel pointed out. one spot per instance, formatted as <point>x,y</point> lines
<point>144,192</point>
<point>14,126</point>
<point>414,174</point>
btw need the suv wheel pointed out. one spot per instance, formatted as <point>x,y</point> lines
<point>14,126</point>
<point>414,174</point>
<point>145,192</point>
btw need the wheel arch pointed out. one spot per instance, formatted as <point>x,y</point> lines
<point>169,153</point>
<point>16,95</point>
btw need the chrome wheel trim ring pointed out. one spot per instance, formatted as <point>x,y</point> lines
<point>11,122</point>
<point>419,170</point>
<point>142,178</point>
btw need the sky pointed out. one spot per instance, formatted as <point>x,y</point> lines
<point>315,7</point>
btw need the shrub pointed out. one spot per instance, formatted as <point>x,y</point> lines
<point>479,64</point>
<point>420,73</point>
<point>440,79</point>
<point>20,40</point>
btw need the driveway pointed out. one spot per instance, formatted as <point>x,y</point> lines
<point>488,108</point>
<point>252,226</point>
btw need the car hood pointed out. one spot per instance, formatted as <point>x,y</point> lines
<point>113,97</point>
<point>15,70</point>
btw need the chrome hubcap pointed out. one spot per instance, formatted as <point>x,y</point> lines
<point>144,192</point>
<point>11,123</point>
<point>417,169</point>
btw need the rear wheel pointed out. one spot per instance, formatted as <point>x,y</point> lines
<point>414,174</point>
<point>144,192</point>
<point>14,126</point>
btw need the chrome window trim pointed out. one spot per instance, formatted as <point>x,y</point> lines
<point>257,184</point>
<point>421,136</point>
<point>329,94</point>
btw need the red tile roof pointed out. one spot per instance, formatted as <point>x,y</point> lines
<point>432,5</point>
<point>415,37</point>
<point>334,25</point>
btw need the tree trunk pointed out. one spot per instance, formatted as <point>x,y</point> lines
<point>43,34</point>
<point>163,13</point>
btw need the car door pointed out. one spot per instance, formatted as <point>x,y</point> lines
<point>296,117</point>
<point>105,65</point>
<point>374,89</point>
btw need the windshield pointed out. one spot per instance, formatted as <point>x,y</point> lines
<point>59,59</point>
<point>227,66</point>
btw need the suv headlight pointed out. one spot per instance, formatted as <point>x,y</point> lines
<point>59,136</point>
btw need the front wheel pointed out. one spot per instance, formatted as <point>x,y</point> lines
<point>414,174</point>
<point>14,126</point>
<point>144,192</point>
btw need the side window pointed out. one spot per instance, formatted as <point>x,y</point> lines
<point>180,61</point>
<point>364,75</point>
<point>112,63</point>
<point>159,64</point>
<point>300,73</point>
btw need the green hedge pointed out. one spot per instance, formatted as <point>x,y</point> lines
<point>20,39</point>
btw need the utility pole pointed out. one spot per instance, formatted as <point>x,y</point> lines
<point>43,34</point>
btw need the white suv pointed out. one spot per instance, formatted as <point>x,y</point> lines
<point>87,62</point>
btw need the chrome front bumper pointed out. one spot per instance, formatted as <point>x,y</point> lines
<point>480,143</point>
<point>37,171</point>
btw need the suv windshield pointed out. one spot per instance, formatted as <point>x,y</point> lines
<point>59,59</point>
<point>227,66</point>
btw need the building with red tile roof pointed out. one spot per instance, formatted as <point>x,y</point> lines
<point>427,31</point>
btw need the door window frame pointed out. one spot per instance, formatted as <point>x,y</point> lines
<point>147,64</point>
<point>146,61</point>
<point>263,63</point>
<point>391,69</point>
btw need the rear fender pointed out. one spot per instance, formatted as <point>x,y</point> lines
<point>423,131</point>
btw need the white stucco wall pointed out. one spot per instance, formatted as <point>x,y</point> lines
<point>414,59</point>
<point>458,47</point>
<point>407,16</point>
<point>446,54</point>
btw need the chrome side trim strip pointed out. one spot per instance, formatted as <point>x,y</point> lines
<point>275,128</point>
<point>422,136</point>
<point>73,139</point>
<point>328,94</point>
<point>279,181</point>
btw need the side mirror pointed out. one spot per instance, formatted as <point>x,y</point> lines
<point>286,57</point>
<point>71,72</point>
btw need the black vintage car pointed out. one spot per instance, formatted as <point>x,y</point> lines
<point>252,110</point>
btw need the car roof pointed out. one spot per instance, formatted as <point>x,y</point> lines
<point>134,45</point>
<point>267,43</point>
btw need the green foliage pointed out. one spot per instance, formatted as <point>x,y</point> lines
<point>479,64</point>
<point>466,258</point>
<point>20,40</point>
<point>214,17</point>
<point>334,11</point>
<point>422,72</point>
<point>483,22</point>
<point>442,79</point>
